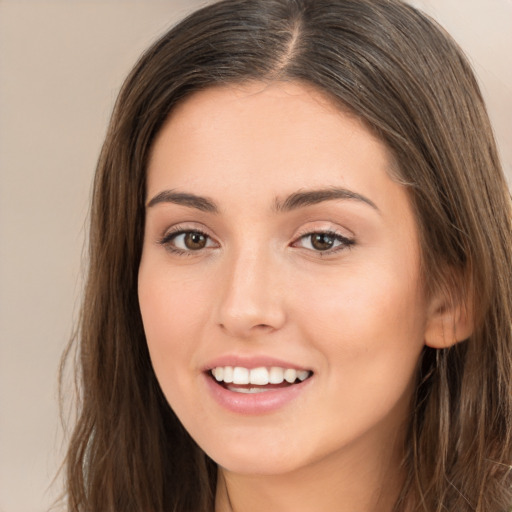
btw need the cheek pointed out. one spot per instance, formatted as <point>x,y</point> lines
<point>371,328</point>
<point>174,314</point>
<point>354,303</point>
<point>170,303</point>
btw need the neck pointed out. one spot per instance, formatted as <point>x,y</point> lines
<point>351,479</point>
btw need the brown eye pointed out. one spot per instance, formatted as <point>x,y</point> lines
<point>322,241</point>
<point>194,240</point>
<point>187,241</point>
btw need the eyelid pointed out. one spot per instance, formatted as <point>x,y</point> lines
<point>346,241</point>
<point>180,229</point>
<point>185,226</point>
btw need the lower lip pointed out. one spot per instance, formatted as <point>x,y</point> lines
<point>254,403</point>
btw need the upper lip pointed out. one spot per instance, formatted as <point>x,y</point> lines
<point>250,362</point>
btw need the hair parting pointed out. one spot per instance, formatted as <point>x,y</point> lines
<point>405,78</point>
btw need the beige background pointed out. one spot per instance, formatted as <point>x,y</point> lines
<point>61,64</point>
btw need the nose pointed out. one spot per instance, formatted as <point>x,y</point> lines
<point>252,298</point>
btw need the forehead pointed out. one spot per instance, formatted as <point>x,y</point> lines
<point>268,139</point>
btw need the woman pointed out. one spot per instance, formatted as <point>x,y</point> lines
<point>299,288</point>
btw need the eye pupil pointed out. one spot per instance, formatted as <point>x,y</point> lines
<point>322,241</point>
<point>195,240</point>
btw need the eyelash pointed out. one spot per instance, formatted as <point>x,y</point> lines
<point>344,242</point>
<point>166,241</point>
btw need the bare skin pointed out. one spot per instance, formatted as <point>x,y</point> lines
<point>323,486</point>
<point>248,253</point>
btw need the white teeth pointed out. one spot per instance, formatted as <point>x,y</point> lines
<point>218,373</point>
<point>247,390</point>
<point>258,376</point>
<point>228,374</point>
<point>290,375</point>
<point>240,375</point>
<point>302,375</point>
<point>276,375</point>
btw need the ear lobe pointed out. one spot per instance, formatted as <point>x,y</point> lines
<point>450,320</point>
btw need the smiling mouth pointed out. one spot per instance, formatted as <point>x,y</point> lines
<point>257,380</point>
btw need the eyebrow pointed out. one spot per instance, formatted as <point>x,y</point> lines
<point>311,197</point>
<point>294,201</point>
<point>185,199</point>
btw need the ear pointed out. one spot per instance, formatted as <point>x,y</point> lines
<point>449,321</point>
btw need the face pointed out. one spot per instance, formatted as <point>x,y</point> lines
<point>277,247</point>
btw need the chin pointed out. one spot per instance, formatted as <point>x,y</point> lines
<point>262,465</point>
<point>271,456</point>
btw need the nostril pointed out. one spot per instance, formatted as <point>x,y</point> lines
<point>246,330</point>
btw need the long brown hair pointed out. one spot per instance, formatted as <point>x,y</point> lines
<point>409,82</point>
